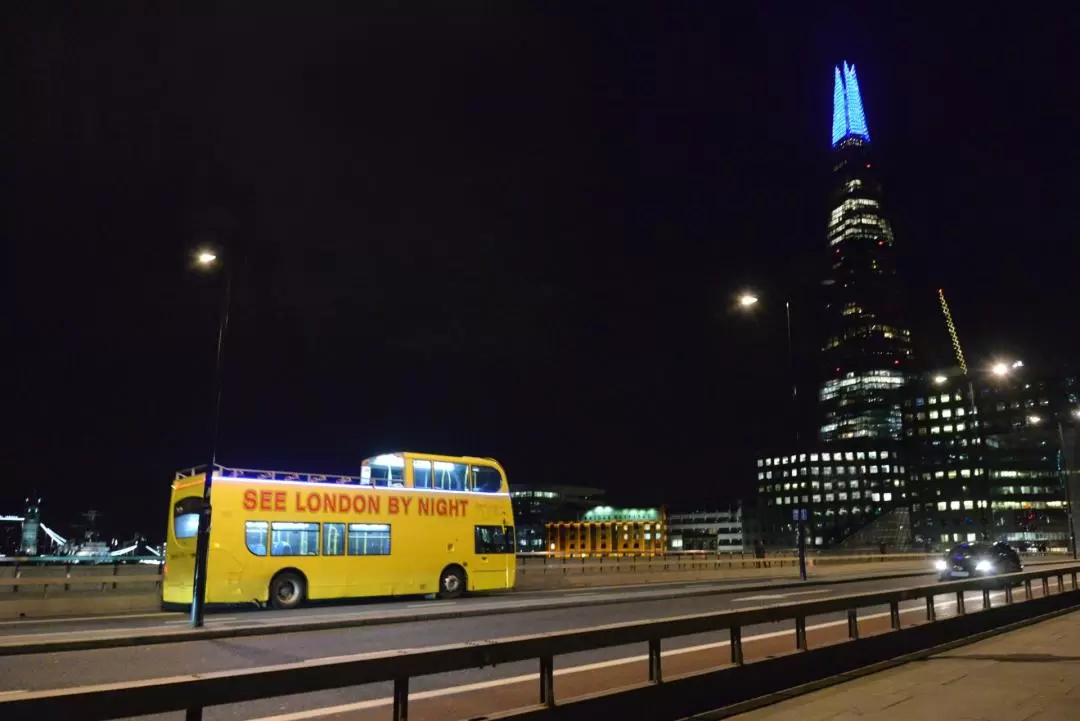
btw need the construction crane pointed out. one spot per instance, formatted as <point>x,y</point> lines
<point>951,326</point>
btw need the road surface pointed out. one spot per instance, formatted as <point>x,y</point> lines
<point>391,610</point>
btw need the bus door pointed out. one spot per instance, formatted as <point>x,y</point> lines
<point>494,551</point>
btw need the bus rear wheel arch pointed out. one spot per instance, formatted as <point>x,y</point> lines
<point>452,581</point>
<point>288,589</point>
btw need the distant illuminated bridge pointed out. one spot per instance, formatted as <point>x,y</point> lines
<point>31,525</point>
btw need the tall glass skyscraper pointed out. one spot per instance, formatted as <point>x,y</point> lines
<point>838,487</point>
<point>868,346</point>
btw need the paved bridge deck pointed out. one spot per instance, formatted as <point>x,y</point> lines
<point>1031,674</point>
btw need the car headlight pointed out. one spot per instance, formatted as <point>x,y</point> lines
<point>940,565</point>
<point>984,566</point>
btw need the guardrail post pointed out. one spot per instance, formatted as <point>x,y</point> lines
<point>800,633</point>
<point>853,623</point>
<point>1046,585</point>
<point>1061,583</point>
<point>115,572</point>
<point>193,714</point>
<point>960,610</point>
<point>931,610</point>
<point>401,699</point>
<point>655,672</point>
<point>547,681</point>
<point>894,615</point>
<point>986,599</point>
<point>1008,593</point>
<point>736,645</point>
<point>1027,589</point>
<point>1074,580</point>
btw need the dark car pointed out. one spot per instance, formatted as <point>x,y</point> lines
<point>970,560</point>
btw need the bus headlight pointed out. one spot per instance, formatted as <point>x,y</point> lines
<point>940,565</point>
<point>984,567</point>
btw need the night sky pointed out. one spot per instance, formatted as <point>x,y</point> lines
<point>501,229</point>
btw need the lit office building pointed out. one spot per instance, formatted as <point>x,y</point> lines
<point>841,490</point>
<point>719,531</point>
<point>993,456</point>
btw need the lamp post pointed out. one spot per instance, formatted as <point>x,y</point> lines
<point>1067,471</point>
<point>208,260</point>
<point>747,302</point>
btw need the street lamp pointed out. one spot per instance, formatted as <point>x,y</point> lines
<point>747,301</point>
<point>208,260</point>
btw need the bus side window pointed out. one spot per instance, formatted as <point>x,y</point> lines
<point>333,541</point>
<point>369,539</point>
<point>486,479</point>
<point>383,476</point>
<point>291,538</point>
<point>255,536</point>
<point>450,476</point>
<point>421,474</point>
<point>494,539</point>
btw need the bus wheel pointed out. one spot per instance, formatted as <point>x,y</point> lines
<point>451,582</point>
<point>286,590</point>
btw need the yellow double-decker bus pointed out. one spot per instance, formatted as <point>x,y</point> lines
<point>410,524</point>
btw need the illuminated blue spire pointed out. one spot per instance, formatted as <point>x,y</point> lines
<point>839,109</point>
<point>849,119</point>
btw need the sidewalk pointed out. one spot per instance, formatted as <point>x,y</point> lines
<point>1031,674</point>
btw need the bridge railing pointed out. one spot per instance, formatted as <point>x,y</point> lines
<point>99,583</point>
<point>193,693</point>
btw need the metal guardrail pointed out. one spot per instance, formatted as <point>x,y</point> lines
<point>695,562</point>
<point>68,581</point>
<point>193,693</point>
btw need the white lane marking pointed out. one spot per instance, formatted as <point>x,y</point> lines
<point>776,596</point>
<point>78,619</point>
<point>210,621</point>
<point>482,685</point>
<point>13,691</point>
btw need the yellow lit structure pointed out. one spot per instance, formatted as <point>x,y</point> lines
<point>606,531</point>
